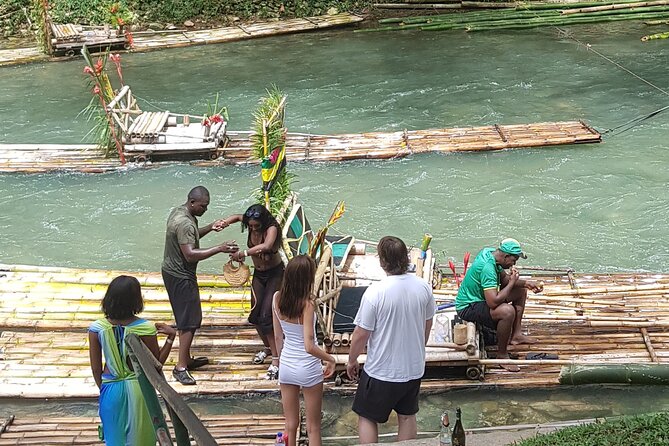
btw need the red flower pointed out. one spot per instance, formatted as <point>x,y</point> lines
<point>88,70</point>
<point>215,119</point>
<point>206,122</point>
<point>116,58</point>
<point>466,262</point>
<point>129,38</point>
<point>98,67</point>
<point>120,21</point>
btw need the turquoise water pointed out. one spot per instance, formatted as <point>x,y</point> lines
<point>594,207</point>
<point>480,408</point>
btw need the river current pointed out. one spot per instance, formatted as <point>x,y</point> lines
<point>597,208</point>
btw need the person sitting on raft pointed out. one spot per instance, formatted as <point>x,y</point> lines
<point>495,298</point>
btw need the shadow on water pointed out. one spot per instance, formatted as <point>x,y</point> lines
<point>480,407</point>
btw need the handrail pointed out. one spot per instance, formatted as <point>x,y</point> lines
<point>118,97</point>
<point>148,370</point>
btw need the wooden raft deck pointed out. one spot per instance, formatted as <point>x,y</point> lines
<point>242,31</point>
<point>40,158</point>
<point>44,313</point>
<point>179,38</point>
<point>56,431</point>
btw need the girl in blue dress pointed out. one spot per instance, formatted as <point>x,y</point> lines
<point>123,412</point>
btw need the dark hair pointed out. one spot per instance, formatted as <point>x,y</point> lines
<point>297,286</point>
<point>198,193</point>
<point>123,298</point>
<point>393,255</point>
<point>259,213</point>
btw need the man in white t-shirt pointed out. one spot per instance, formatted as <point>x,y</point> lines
<point>394,321</point>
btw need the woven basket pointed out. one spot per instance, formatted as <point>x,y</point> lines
<point>236,275</point>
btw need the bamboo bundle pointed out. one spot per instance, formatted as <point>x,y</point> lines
<point>451,5</point>
<point>529,16</point>
<point>613,6</point>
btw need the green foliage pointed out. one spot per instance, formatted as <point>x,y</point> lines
<point>12,16</point>
<point>97,12</point>
<point>270,134</point>
<point>650,429</point>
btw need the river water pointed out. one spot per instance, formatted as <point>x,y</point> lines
<point>597,207</point>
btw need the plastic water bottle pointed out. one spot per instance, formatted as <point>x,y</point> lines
<point>279,438</point>
<point>445,432</point>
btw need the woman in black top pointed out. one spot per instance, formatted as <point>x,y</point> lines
<point>264,242</point>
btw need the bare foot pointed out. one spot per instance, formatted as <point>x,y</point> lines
<point>508,367</point>
<point>522,339</point>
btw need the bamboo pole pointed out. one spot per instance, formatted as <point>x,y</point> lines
<point>648,344</point>
<point>614,6</point>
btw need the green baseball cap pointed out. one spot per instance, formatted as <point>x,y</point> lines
<point>511,246</point>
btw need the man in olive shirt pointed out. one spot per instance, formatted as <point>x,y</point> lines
<point>182,253</point>
<point>496,299</point>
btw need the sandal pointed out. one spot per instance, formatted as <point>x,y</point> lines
<point>272,372</point>
<point>259,358</point>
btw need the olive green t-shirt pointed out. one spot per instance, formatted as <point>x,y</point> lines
<point>181,230</point>
<point>482,275</point>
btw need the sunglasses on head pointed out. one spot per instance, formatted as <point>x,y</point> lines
<point>252,213</point>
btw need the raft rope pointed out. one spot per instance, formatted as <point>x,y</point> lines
<point>613,130</point>
<point>634,121</point>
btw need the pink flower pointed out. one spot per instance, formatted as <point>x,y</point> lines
<point>96,90</point>
<point>98,67</point>
<point>88,70</point>
<point>116,58</point>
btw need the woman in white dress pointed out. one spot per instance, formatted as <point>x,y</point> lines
<point>300,357</point>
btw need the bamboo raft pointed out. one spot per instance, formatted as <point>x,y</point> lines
<point>242,31</point>
<point>584,319</point>
<point>247,429</point>
<point>144,41</point>
<point>40,158</point>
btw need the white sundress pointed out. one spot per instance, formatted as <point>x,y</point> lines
<point>296,366</point>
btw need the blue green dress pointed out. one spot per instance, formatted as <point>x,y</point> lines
<point>125,418</point>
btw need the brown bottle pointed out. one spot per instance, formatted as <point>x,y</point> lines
<point>458,437</point>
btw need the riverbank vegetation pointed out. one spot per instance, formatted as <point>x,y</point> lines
<point>159,14</point>
<point>649,429</point>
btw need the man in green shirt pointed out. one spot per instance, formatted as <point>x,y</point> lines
<point>495,298</point>
<point>182,253</point>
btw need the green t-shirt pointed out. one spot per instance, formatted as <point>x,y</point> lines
<point>482,275</point>
<point>181,230</point>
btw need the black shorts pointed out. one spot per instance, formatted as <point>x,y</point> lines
<point>375,399</point>
<point>184,297</point>
<point>478,312</point>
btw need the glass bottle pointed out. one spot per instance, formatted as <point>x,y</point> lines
<point>458,437</point>
<point>445,432</point>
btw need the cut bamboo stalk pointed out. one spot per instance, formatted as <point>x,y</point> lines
<point>648,344</point>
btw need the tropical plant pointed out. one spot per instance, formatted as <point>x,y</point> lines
<point>215,114</point>
<point>120,15</point>
<point>98,82</point>
<point>269,147</point>
<point>319,239</point>
<point>649,429</point>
